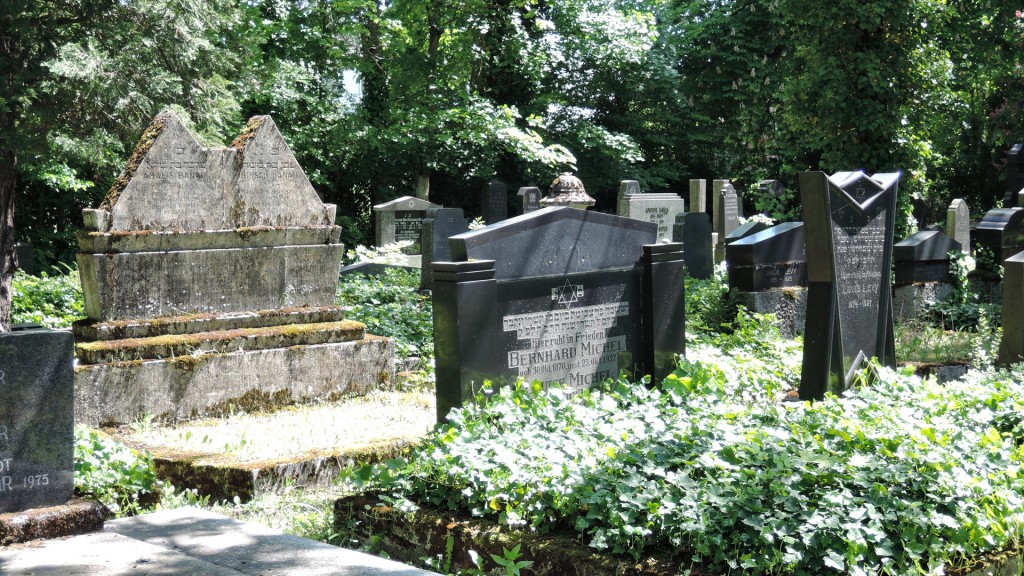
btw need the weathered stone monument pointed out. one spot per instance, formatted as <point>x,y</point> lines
<point>658,207</point>
<point>1011,347</point>
<point>958,224</point>
<point>716,204</point>
<point>209,277</point>
<point>922,274</point>
<point>1000,232</point>
<point>848,225</point>
<point>439,225</point>
<point>768,274</point>
<point>401,220</point>
<point>728,218</point>
<point>693,231</point>
<point>529,199</point>
<point>494,201</point>
<point>560,294</point>
<point>698,196</point>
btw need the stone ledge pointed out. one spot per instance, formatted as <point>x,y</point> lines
<point>218,342</point>
<point>169,241</point>
<point>190,387</point>
<point>79,516</point>
<point>195,323</point>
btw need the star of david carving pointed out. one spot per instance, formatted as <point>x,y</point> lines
<point>567,293</point>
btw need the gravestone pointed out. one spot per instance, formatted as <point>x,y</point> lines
<point>560,294</point>
<point>924,257</point>
<point>1000,232</point>
<point>849,219</point>
<point>401,220</point>
<point>209,277</point>
<point>1011,347</point>
<point>1014,175</point>
<point>660,208</point>
<point>529,198</point>
<point>693,231</point>
<point>36,419</point>
<point>728,218</point>
<point>716,205</point>
<point>958,224</point>
<point>770,258</point>
<point>744,230</point>
<point>26,258</point>
<point>698,196</point>
<point>494,202</point>
<point>773,188</point>
<point>439,225</point>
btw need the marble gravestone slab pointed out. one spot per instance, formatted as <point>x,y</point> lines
<point>36,419</point>
<point>772,258</point>
<point>660,208</point>
<point>1001,232</point>
<point>958,224</point>
<point>560,294</point>
<point>401,220</point>
<point>693,230</point>
<point>923,257</point>
<point>494,202</point>
<point>849,219</point>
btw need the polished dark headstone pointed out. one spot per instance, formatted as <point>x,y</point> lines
<point>494,202</point>
<point>958,224</point>
<point>401,220</point>
<point>771,258</point>
<point>1014,175</point>
<point>26,258</point>
<point>693,230</point>
<point>560,294</point>
<point>439,225</point>
<point>529,199</point>
<point>1002,232</point>
<point>744,230</point>
<point>36,419</point>
<point>924,257</point>
<point>1011,348</point>
<point>848,222</point>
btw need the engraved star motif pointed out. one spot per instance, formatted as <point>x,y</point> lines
<point>567,293</point>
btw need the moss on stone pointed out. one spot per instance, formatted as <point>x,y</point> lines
<point>149,136</point>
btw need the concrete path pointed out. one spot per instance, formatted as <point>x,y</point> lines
<point>194,542</point>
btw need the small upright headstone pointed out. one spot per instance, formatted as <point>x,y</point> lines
<point>494,202</point>
<point>529,198</point>
<point>439,225</point>
<point>660,208</point>
<point>958,224</point>
<point>1014,175</point>
<point>849,219</point>
<point>728,218</point>
<point>401,220</point>
<point>923,257</point>
<point>1001,232</point>
<point>693,230</point>
<point>1011,348</point>
<point>36,419</point>
<point>698,196</point>
<point>716,205</point>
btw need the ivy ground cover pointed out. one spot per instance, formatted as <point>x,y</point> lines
<point>903,477</point>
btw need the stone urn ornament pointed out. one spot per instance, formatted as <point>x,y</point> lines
<point>567,190</point>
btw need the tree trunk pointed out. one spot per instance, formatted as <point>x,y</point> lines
<point>8,178</point>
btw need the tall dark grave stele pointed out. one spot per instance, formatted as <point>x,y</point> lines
<point>36,419</point>
<point>560,294</point>
<point>958,224</point>
<point>923,257</point>
<point>439,225</point>
<point>848,225</point>
<point>693,230</point>
<point>1014,175</point>
<point>529,199</point>
<point>494,202</point>
<point>771,258</point>
<point>401,220</point>
<point>1011,348</point>
<point>1001,231</point>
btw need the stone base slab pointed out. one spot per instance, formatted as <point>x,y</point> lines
<point>78,516</point>
<point>788,304</point>
<point>189,387</point>
<point>910,301</point>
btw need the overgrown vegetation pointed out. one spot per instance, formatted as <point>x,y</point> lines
<point>391,305</point>
<point>54,301</point>
<point>122,478</point>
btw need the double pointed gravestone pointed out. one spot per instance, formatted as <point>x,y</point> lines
<point>848,225</point>
<point>560,294</point>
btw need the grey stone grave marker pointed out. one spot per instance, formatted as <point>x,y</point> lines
<point>1011,347</point>
<point>36,419</point>
<point>560,294</point>
<point>848,224</point>
<point>698,195</point>
<point>958,224</point>
<point>401,220</point>
<point>440,225</point>
<point>771,258</point>
<point>728,218</point>
<point>1014,175</point>
<point>1001,231</point>
<point>494,202</point>
<point>716,204</point>
<point>529,198</point>
<point>693,231</point>
<point>923,257</point>
<point>660,208</point>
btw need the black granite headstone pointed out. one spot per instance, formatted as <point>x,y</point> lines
<point>1002,232</point>
<point>559,294</point>
<point>26,258</point>
<point>924,257</point>
<point>744,230</point>
<point>494,202</point>
<point>1014,175</point>
<point>848,222</point>
<point>439,225</point>
<point>771,258</point>
<point>529,199</point>
<point>693,230</point>
<point>36,419</point>
<point>1011,347</point>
